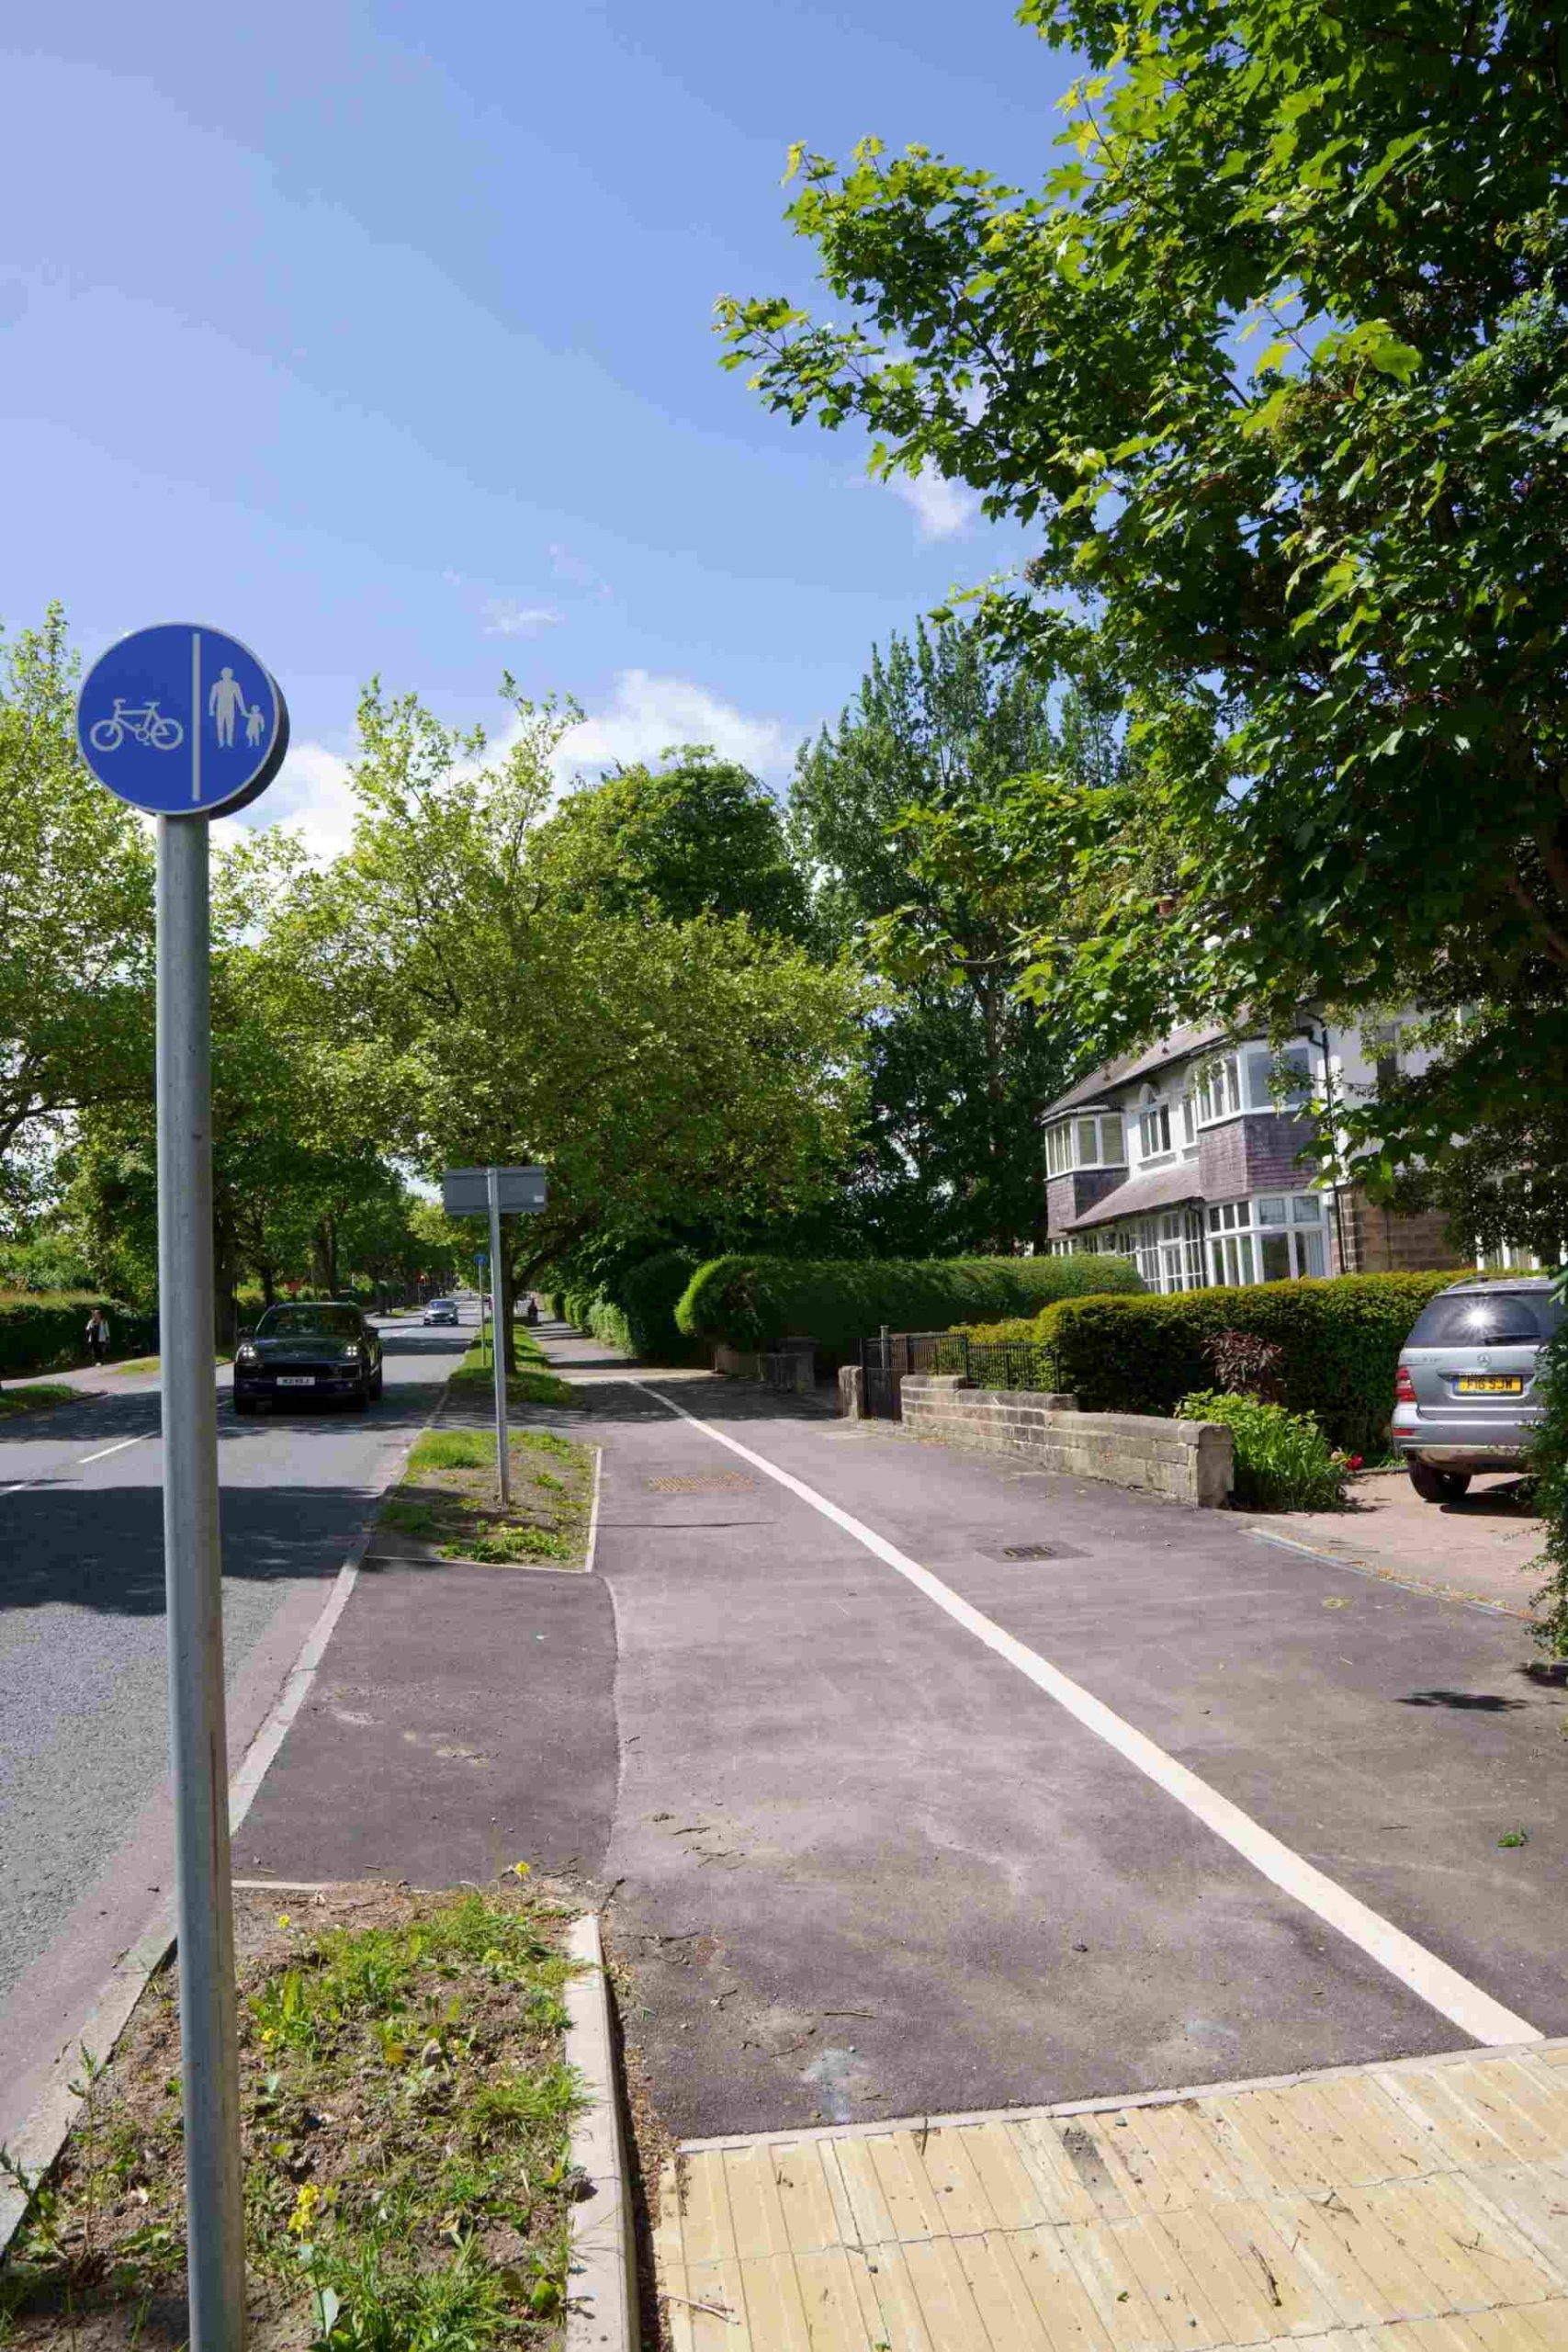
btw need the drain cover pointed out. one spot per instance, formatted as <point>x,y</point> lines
<point>725,1482</point>
<point>1034,1551</point>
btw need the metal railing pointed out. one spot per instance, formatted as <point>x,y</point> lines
<point>983,1363</point>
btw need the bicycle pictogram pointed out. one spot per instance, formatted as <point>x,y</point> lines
<point>143,724</point>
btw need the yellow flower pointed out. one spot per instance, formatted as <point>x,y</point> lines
<point>305,2205</point>
<point>520,1870</point>
<point>283,1919</point>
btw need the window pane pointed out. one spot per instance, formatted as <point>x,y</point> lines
<point>1258,1094</point>
<point>1113,1149</point>
<point>1270,1212</point>
<point>1244,1258</point>
<point>1188,1126</point>
<point>1275,1250</point>
<point>1214,1220</point>
<point>1309,1249</point>
<point>1088,1146</point>
<point>1227,1216</point>
<point>1484,1319</point>
<point>1298,1087</point>
<point>1307,1208</point>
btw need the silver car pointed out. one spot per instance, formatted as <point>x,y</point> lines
<point>1465,1394</point>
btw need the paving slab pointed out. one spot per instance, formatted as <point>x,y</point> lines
<point>1414,2207</point>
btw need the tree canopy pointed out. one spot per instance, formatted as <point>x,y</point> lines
<point>1275,366</point>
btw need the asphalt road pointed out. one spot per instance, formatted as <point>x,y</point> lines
<point>858,1865</point>
<point>84,1814</point>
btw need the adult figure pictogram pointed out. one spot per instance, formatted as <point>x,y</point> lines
<point>226,700</point>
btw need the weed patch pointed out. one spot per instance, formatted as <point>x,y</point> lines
<point>405,2110</point>
<point>446,1504</point>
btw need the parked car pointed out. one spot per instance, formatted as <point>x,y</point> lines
<point>441,1310</point>
<point>1464,1392</point>
<point>309,1349</point>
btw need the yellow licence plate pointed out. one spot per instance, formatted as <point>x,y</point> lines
<point>1509,1384</point>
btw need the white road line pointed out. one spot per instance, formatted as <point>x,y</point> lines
<point>1442,1987</point>
<point>84,1459</point>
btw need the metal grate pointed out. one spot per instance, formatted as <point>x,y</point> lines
<point>1034,1551</point>
<point>724,1482</point>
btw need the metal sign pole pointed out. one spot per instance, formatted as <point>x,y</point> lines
<point>503,1461</point>
<point>193,1569</point>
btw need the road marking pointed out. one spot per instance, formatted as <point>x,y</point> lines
<point>1443,1988</point>
<point>84,1459</point>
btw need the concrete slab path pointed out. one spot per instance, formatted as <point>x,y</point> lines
<point>1414,2207</point>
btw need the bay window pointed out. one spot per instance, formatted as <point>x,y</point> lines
<point>1094,1139</point>
<point>1245,1082</point>
<point>1274,1238</point>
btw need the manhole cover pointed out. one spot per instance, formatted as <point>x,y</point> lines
<point>1034,1551</point>
<point>724,1482</point>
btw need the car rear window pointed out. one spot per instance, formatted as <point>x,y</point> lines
<point>1492,1318</point>
<point>310,1323</point>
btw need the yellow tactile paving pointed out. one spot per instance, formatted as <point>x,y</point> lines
<point>1421,2207</point>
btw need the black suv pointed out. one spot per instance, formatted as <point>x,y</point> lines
<point>312,1348</point>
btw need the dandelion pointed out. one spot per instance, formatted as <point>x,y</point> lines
<point>520,1870</point>
<point>284,1920</point>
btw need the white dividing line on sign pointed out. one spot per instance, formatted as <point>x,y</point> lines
<point>1442,1987</point>
<point>103,1456</point>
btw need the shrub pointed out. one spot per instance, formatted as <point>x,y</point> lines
<point>1340,1339</point>
<point>46,1334</point>
<point>1246,1366</point>
<point>748,1302</point>
<point>607,1322</point>
<point>558,1305</point>
<point>1283,1461</point>
<point>650,1292</point>
<point>1548,1464</point>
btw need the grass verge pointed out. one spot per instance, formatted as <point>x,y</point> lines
<point>535,1385</point>
<point>446,1500</point>
<point>152,1364</point>
<point>34,1400</point>
<point>405,2113</point>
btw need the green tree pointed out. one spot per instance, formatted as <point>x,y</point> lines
<point>75,921</point>
<point>651,1066</point>
<point>907,815</point>
<point>1325,569</point>
<point>697,835</point>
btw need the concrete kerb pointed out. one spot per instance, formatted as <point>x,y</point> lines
<point>44,2133</point>
<point>602,2306</point>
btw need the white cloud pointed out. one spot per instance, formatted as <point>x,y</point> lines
<point>503,618</point>
<point>313,795</point>
<point>646,713</point>
<point>941,508</point>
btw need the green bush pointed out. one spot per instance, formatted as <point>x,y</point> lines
<point>1548,1464</point>
<point>1283,1461</point>
<point>650,1292</point>
<point>1341,1339</point>
<point>748,1302</point>
<point>47,1334</point>
<point>607,1322</point>
<point>558,1305</point>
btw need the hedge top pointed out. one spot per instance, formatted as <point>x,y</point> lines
<point>748,1302</point>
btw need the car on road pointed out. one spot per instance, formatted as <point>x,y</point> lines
<point>441,1310</point>
<point>307,1352</point>
<point>1465,1397</point>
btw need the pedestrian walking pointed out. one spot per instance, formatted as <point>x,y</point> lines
<point>99,1335</point>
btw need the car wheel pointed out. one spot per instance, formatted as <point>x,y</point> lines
<point>244,1403</point>
<point>1437,1485</point>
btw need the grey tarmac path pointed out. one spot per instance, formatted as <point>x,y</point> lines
<point>858,1864</point>
<point>84,1816</point>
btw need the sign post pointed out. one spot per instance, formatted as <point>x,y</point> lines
<point>495,1193</point>
<point>184,723</point>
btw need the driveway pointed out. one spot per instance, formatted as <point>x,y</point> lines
<point>1483,1547</point>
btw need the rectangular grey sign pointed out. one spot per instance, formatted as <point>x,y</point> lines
<point>464,1192</point>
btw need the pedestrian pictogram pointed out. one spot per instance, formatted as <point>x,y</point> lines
<point>182,720</point>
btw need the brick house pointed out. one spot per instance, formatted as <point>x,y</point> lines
<point>1189,1158</point>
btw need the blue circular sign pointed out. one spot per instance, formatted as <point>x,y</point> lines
<point>182,720</point>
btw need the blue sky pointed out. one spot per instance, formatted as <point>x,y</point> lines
<point>381,337</point>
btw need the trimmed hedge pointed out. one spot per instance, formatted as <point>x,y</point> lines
<point>1341,1339</point>
<point>650,1294</point>
<point>607,1322</point>
<point>748,1302</point>
<point>46,1334</point>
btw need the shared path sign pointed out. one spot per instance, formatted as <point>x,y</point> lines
<point>182,720</point>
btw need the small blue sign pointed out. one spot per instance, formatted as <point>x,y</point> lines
<point>182,721</point>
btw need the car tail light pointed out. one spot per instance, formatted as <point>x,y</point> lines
<point>1404,1386</point>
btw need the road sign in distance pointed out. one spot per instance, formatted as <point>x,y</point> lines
<point>464,1192</point>
<point>182,720</point>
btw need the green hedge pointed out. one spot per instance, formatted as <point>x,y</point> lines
<point>47,1334</point>
<point>1341,1339</point>
<point>607,1322</point>
<point>650,1294</point>
<point>747,1301</point>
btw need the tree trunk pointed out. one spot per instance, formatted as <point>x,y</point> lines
<point>269,1284</point>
